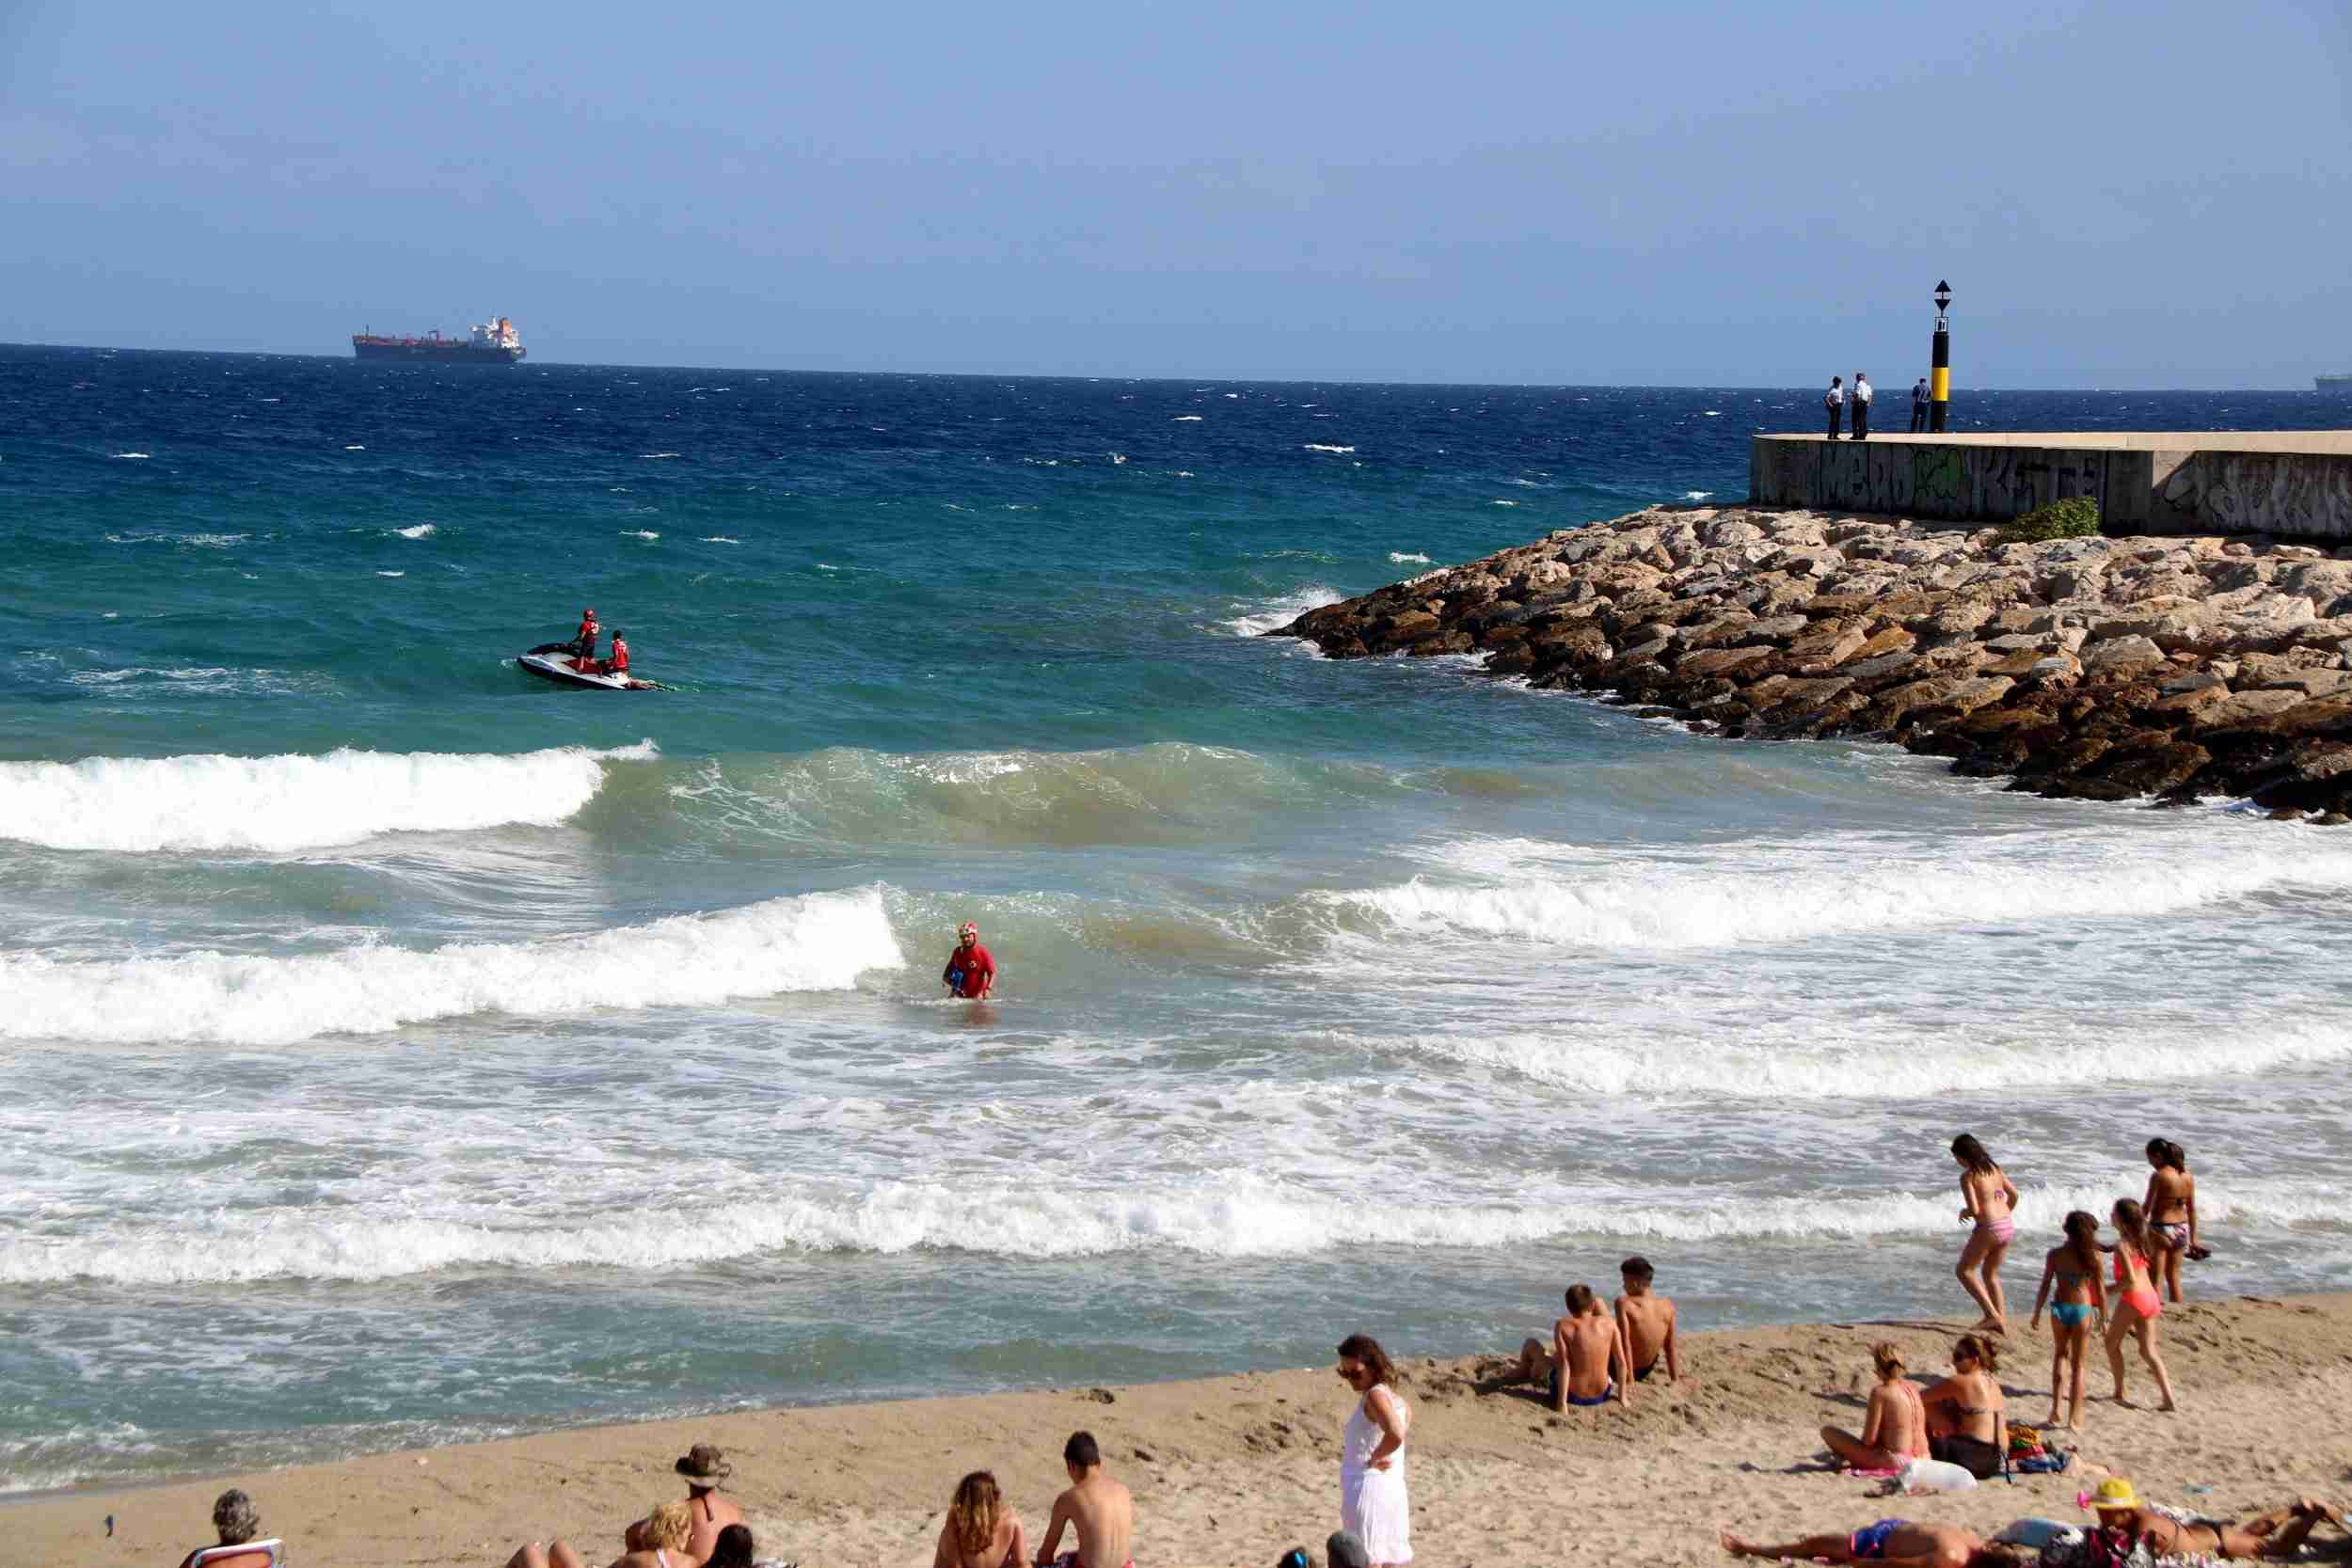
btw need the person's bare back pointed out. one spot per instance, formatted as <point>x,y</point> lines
<point>1583,1344</point>
<point>1100,1510</point>
<point>1647,1322</point>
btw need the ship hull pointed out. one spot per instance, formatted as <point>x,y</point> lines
<point>2333,382</point>
<point>439,354</point>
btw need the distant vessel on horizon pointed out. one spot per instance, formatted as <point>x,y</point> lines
<point>493,342</point>
<point>2333,382</point>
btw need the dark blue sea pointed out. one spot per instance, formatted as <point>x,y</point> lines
<point>398,1049</point>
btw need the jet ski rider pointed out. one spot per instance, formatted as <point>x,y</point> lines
<point>585,640</point>
<point>618,663</point>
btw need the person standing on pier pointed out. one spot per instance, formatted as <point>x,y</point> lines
<point>1861,406</point>
<point>1919,406</point>
<point>1836,403</point>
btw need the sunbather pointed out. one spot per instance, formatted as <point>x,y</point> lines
<point>1897,1542</point>
<point>656,1541</point>
<point>236,1521</point>
<point>981,1530</point>
<point>1895,1428</point>
<point>2126,1519</point>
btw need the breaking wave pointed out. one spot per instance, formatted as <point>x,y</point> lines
<point>814,942</point>
<point>1277,613</point>
<point>216,802</point>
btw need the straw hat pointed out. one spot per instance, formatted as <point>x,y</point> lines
<point>2115,1495</point>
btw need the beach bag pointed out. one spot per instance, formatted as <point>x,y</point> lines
<point>1979,1458</point>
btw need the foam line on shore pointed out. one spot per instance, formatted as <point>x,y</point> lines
<point>214,802</point>
<point>817,942</point>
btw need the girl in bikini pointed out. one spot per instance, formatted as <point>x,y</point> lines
<point>2137,1307</point>
<point>1895,1429</point>
<point>1987,1199</point>
<point>2073,1271</point>
<point>2172,1204</point>
<point>1964,1411</point>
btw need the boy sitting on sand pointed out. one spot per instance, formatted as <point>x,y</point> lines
<point>1647,1322</point>
<point>1585,1350</point>
<point>1101,1509</point>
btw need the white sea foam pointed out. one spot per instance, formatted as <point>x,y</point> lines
<point>1407,558</point>
<point>131,454</point>
<point>1503,503</point>
<point>1235,1216</point>
<point>815,941</point>
<point>1317,446</point>
<point>422,530</point>
<point>1696,494</point>
<point>391,574</point>
<point>719,539</point>
<point>275,803</point>
<point>354,449</point>
<point>1186,418</point>
<point>1771,894</point>
<point>657,454</point>
<point>1280,612</point>
<point>644,534</point>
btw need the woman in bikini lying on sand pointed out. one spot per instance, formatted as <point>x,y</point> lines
<point>1893,1430</point>
<point>2073,1271</point>
<point>1987,1199</point>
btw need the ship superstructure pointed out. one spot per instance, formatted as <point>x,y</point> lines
<point>494,342</point>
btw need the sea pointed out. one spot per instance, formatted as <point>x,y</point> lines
<point>399,1049</point>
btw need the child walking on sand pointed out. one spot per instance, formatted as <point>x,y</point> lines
<point>1987,1199</point>
<point>2137,1307</point>
<point>2171,1206</point>
<point>2073,1269</point>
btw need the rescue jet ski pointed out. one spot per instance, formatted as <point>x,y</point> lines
<point>555,661</point>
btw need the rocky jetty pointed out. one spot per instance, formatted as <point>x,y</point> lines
<point>2173,668</point>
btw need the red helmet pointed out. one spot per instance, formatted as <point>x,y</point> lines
<point>587,614</point>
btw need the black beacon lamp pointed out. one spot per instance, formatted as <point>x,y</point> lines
<point>1940,362</point>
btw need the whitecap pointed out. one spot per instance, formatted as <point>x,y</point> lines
<point>131,454</point>
<point>391,574</point>
<point>1404,557</point>
<point>1186,418</point>
<point>644,534</point>
<point>657,454</point>
<point>1317,446</point>
<point>422,530</point>
<point>719,539</point>
<point>1277,613</point>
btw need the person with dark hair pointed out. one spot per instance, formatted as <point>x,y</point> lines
<point>2137,1307</point>
<point>1100,1510</point>
<point>1647,1322</point>
<point>1895,1426</point>
<point>1342,1551</point>
<point>734,1548</point>
<point>981,1529</point>
<point>2072,1270</point>
<point>1919,398</point>
<point>1585,1363</point>
<point>1965,1422</point>
<point>1861,406</point>
<point>237,1521</point>
<point>1988,1200</point>
<point>1896,1541</point>
<point>1372,1502</point>
<point>1836,403</point>
<point>2171,1208</point>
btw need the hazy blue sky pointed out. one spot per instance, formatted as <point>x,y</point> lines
<point>2148,193</point>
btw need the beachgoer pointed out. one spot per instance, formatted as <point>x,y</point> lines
<point>585,642</point>
<point>2171,1206</point>
<point>1919,400</point>
<point>2137,1307</point>
<point>1862,395</point>
<point>1647,1322</point>
<point>1836,403</point>
<point>1899,1542</point>
<point>1373,1506</point>
<point>656,1541</point>
<point>2071,1270</point>
<point>981,1530</point>
<point>236,1521</point>
<point>733,1549</point>
<point>1964,1425</point>
<point>704,1467</point>
<point>1342,1551</point>
<point>1100,1510</point>
<point>971,974</point>
<point>1986,1198</point>
<point>618,663</point>
<point>2127,1520</point>
<point>1895,1427</point>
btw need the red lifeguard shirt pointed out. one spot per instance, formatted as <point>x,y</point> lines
<point>619,661</point>
<point>979,970</point>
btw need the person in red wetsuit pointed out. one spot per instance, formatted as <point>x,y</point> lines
<point>618,663</point>
<point>971,974</point>
<point>585,640</point>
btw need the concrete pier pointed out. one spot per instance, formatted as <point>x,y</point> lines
<point>2289,483</point>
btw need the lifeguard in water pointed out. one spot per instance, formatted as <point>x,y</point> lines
<point>971,974</point>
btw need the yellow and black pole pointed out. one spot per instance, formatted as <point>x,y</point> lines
<point>1940,362</point>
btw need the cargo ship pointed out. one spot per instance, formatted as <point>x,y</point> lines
<point>2333,382</point>
<point>492,342</point>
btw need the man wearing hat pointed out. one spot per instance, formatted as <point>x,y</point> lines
<point>971,974</point>
<point>704,1467</point>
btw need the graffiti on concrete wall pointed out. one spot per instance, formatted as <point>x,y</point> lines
<point>2302,494</point>
<point>1936,476</point>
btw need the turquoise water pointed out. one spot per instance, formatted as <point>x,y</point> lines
<point>401,1049</point>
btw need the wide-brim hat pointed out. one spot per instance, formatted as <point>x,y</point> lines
<point>2115,1495</point>
<point>705,1465</point>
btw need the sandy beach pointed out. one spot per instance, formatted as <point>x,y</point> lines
<point>1233,1470</point>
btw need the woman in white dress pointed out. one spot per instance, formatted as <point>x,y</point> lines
<point>1372,1504</point>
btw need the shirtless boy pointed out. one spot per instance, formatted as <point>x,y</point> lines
<point>1588,1345</point>
<point>1101,1509</point>
<point>1647,1322</point>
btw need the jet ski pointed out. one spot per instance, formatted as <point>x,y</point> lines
<point>555,661</point>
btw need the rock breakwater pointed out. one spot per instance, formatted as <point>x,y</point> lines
<point>2176,668</point>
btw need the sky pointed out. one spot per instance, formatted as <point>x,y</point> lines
<point>2146,194</point>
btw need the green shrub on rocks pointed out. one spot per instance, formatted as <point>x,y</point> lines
<point>2075,517</point>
